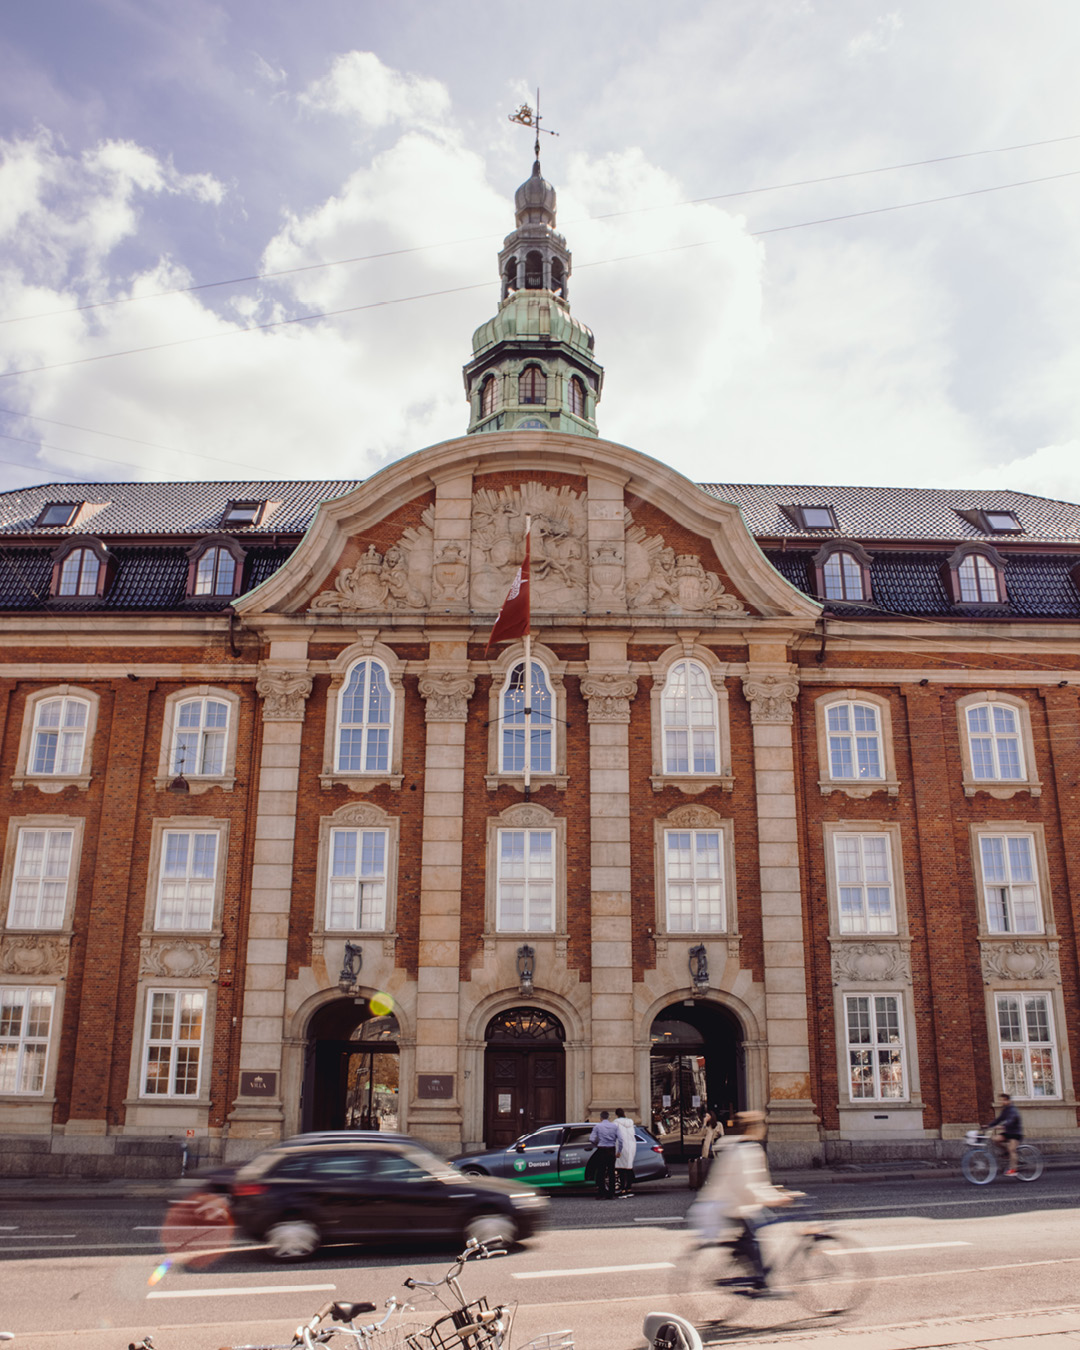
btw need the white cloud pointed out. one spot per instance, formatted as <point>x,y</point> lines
<point>876,39</point>
<point>360,86</point>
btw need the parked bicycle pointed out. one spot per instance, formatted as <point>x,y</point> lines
<point>391,1332</point>
<point>986,1155</point>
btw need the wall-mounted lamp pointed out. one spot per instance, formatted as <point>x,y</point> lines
<point>526,966</point>
<point>699,968</point>
<point>350,967</point>
<point>180,783</point>
<point>1063,684</point>
<point>923,684</point>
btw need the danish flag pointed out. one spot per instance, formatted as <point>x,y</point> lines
<point>513,620</point>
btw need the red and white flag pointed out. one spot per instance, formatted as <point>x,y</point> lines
<point>513,620</point>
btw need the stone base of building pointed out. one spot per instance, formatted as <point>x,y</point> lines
<point>103,1157</point>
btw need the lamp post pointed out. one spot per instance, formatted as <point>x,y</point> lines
<point>526,965</point>
<point>350,968</point>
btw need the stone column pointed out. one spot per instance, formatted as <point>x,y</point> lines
<point>284,686</point>
<point>608,688</point>
<point>435,1111</point>
<point>771,687</point>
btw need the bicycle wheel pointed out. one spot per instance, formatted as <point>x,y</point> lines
<point>828,1274</point>
<point>704,1285</point>
<point>1029,1163</point>
<point>979,1166</point>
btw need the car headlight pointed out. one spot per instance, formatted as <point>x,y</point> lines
<point>528,1200</point>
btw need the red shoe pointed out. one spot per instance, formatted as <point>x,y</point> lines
<point>1010,1171</point>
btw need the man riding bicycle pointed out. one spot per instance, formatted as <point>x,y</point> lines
<point>1009,1130</point>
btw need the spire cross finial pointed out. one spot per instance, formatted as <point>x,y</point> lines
<point>527,118</point>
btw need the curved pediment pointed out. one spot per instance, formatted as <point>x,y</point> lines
<point>612,530</point>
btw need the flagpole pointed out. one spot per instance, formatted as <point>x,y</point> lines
<point>528,679</point>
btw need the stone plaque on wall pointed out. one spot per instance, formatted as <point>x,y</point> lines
<point>435,1085</point>
<point>254,1084</point>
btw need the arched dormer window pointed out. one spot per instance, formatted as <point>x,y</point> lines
<point>841,571</point>
<point>532,385</point>
<point>689,720</point>
<point>534,271</point>
<point>80,569</point>
<point>577,396</point>
<point>365,720</point>
<point>976,576</point>
<point>512,706</point>
<point>489,396</point>
<point>215,567</point>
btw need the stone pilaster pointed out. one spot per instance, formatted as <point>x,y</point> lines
<point>609,689</point>
<point>284,686</point>
<point>446,687</point>
<point>771,688</point>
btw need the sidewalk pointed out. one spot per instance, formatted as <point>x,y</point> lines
<point>1047,1329</point>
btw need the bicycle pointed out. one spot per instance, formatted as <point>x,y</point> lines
<point>473,1324</point>
<point>385,1334</point>
<point>980,1161</point>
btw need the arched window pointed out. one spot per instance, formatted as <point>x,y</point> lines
<point>489,396</point>
<point>577,397</point>
<point>199,739</point>
<point>532,385</point>
<point>365,713</point>
<point>843,577</point>
<point>215,572</point>
<point>79,573</point>
<point>59,736</point>
<point>558,277</point>
<point>534,271</point>
<point>510,276</point>
<point>978,578</point>
<point>542,731</point>
<point>994,742</point>
<point>854,735</point>
<point>689,720</point>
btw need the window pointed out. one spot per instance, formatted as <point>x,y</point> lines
<point>689,720</point>
<point>875,1047</point>
<point>79,573</point>
<point>534,271</point>
<point>243,513</point>
<point>532,384</point>
<point>59,738</point>
<point>978,579</point>
<point>694,881</point>
<point>1010,883</point>
<point>215,572</point>
<point>864,883</point>
<point>854,741</point>
<point>843,577</point>
<point>526,881</point>
<point>1002,522</point>
<point>489,395</point>
<point>512,738</point>
<point>25,1023</point>
<point>200,738</point>
<point>58,513</point>
<point>42,877</point>
<point>356,899</point>
<point>364,720</point>
<point>994,742</point>
<point>577,397</point>
<point>187,882</point>
<point>811,517</point>
<point>1026,1042</point>
<point>174,1033</point>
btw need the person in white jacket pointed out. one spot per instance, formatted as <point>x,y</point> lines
<point>739,1192</point>
<point>624,1156</point>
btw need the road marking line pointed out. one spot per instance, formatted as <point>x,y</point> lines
<point>666,1218</point>
<point>914,1246</point>
<point>912,1207</point>
<point>980,1270</point>
<point>20,1237</point>
<point>590,1270</point>
<point>241,1289</point>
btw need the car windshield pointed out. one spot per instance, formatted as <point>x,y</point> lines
<point>259,1165</point>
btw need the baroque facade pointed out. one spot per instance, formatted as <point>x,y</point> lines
<point>800,829</point>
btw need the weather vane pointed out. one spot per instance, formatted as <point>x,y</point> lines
<point>527,118</point>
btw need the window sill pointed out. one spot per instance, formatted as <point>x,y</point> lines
<point>692,784</point>
<point>51,783</point>
<point>516,781</point>
<point>196,785</point>
<point>360,782</point>
<point>1002,789</point>
<point>859,789</point>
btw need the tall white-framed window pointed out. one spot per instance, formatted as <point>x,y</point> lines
<point>694,880</point>
<point>854,733</point>
<point>200,737</point>
<point>365,719</point>
<point>864,883</point>
<point>187,880</point>
<point>525,881</point>
<point>994,741</point>
<point>512,705</point>
<point>1010,877</point>
<point>172,1053</point>
<point>1025,1024</point>
<point>25,1027</point>
<point>875,1047</point>
<point>689,720</point>
<point>41,881</point>
<point>357,883</point>
<point>59,736</point>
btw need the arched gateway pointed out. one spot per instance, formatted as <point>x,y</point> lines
<point>695,1065</point>
<point>350,1069</point>
<point>524,1074</point>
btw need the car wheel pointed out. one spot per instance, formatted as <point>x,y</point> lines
<point>292,1240</point>
<point>491,1228</point>
<point>473,1172</point>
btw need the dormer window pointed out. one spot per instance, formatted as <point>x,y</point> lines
<point>978,579</point>
<point>532,385</point>
<point>842,571</point>
<point>811,517</point>
<point>58,513</point>
<point>1001,522</point>
<point>992,520</point>
<point>80,568</point>
<point>975,575</point>
<point>215,567</point>
<point>243,513</point>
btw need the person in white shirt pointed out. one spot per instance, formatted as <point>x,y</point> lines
<point>624,1156</point>
<point>739,1192</point>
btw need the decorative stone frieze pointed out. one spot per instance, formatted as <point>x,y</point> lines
<point>285,693</point>
<point>558,574</point>
<point>400,578</point>
<point>771,698</point>
<point>34,954</point>
<point>869,962</point>
<point>658,578</point>
<point>1019,960</point>
<point>447,696</point>
<point>179,958</point>
<point>609,696</point>
<point>607,576</point>
<point>450,575</point>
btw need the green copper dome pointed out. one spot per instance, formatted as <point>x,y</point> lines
<point>537,315</point>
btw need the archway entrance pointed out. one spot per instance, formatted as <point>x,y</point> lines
<point>524,1074</point>
<point>696,1065</point>
<point>350,1069</point>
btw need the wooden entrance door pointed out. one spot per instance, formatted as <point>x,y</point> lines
<point>524,1090</point>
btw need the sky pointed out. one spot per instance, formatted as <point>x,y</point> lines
<point>158,161</point>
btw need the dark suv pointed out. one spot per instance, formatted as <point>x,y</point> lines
<point>364,1186</point>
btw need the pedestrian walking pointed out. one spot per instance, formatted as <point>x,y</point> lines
<point>624,1156</point>
<point>606,1138</point>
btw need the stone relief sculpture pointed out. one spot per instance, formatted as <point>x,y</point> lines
<point>609,696</point>
<point>446,696</point>
<point>557,550</point>
<point>178,958</point>
<point>1020,960</point>
<point>770,698</point>
<point>867,961</point>
<point>32,954</point>
<point>658,578</point>
<point>400,578</point>
<point>285,692</point>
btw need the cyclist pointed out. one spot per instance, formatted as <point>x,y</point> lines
<point>1010,1129</point>
<point>739,1191</point>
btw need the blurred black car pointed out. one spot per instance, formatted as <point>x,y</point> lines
<point>559,1155</point>
<point>360,1186</point>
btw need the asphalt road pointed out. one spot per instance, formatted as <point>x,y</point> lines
<point>80,1273</point>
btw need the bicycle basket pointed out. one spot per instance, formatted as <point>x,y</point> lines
<point>445,1334</point>
<point>551,1340</point>
<point>394,1336</point>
